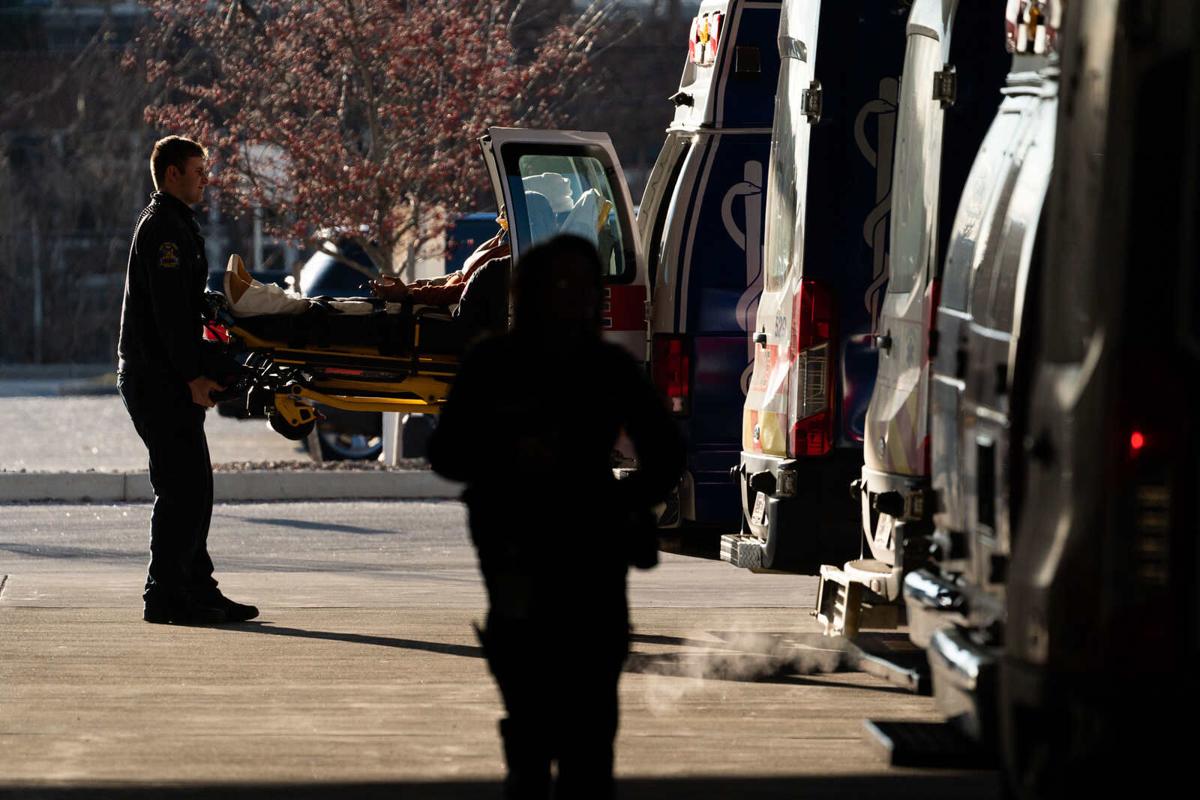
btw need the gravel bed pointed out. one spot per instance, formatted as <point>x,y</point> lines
<point>404,465</point>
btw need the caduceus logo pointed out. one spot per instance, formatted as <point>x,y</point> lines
<point>875,227</point>
<point>750,190</point>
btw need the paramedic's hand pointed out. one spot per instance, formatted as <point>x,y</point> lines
<point>200,387</point>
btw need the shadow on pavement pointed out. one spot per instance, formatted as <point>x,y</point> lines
<point>893,785</point>
<point>769,664</point>
<point>470,651</point>
<point>310,525</point>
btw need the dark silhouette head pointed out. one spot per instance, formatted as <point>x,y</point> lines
<point>557,290</point>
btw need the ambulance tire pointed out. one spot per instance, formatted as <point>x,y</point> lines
<point>287,430</point>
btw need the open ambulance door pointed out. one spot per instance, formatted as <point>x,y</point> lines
<point>553,182</point>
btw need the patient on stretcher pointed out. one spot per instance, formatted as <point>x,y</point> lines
<point>272,313</point>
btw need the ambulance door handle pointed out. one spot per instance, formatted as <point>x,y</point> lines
<point>760,338</point>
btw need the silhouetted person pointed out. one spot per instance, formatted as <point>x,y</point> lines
<point>530,427</point>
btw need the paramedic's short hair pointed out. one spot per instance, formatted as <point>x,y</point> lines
<point>173,151</point>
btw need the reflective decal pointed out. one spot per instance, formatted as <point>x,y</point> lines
<point>750,190</point>
<point>875,229</point>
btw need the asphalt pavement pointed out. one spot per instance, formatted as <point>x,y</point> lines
<point>363,678</point>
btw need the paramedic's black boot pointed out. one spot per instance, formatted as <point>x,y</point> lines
<point>234,612</point>
<point>181,610</point>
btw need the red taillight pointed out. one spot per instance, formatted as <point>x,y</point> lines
<point>1137,440</point>
<point>672,369</point>
<point>704,37</point>
<point>812,436</point>
<point>812,370</point>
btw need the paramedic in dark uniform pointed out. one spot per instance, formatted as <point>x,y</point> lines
<point>160,376</point>
<point>530,427</point>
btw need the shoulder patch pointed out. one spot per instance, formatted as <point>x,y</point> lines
<point>168,255</point>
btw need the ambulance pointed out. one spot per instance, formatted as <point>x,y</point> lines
<point>979,364</point>
<point>829,199</point>
<point>956,62</point>
<point>1097,674</point>
<point>701,222</point>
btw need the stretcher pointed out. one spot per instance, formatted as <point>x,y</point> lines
<point>396,358</point>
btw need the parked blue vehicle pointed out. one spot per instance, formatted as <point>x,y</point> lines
<point>464,234</point>
<point>701,223</point>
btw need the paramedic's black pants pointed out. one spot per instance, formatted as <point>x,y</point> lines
<point>559,685</point>
<point>172,426</point>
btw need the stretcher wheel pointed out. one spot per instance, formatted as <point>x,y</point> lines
<point>289,431</point>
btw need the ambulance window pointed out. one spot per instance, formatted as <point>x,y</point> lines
<point>789,151</point>
<point>566,189</point>
<point>912,210</point>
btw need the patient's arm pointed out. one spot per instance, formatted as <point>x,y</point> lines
<point>389,288</point>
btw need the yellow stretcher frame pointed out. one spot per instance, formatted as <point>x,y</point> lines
<point>422,389</point>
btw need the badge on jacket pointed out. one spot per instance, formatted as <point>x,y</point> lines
<point>168,255</point>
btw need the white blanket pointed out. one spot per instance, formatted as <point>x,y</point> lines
<point>249,298</point>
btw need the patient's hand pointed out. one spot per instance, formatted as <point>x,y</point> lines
<point>388,288</point>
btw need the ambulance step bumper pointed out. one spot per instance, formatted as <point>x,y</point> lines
<point>966,681</point>
<point>742,550</point>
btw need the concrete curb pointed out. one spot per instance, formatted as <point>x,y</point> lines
<point>117,487</point>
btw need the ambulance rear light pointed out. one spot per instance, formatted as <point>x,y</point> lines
<point>812,432</point>
<point>812,349</point>
<point>704,37</point>
<point>812,316</point>
<point>812,436</point>
<point>1031,26</point>
<point>671,366</point>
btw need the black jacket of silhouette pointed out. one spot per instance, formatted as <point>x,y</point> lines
<point>530,427</point>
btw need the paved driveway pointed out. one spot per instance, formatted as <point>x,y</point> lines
<point>363,677</point>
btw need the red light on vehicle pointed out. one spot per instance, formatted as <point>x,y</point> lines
<point>672,367</point>
<point>1137,441</point>
<point>812,436</point>
<point>811,376</point>
<point>704,37</point>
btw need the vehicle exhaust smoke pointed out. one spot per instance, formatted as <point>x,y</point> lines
<point>745,656</point>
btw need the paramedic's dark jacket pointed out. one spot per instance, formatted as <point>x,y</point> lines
<point>161,329</point>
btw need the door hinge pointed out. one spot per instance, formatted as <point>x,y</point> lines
<point>945,86</point>
<point>811,102</point>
